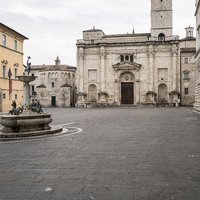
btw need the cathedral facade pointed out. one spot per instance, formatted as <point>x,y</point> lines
<point>137,68</point>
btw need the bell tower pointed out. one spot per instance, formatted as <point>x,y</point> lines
<point>161,18</point>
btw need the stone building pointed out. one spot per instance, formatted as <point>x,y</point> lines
<point>137,68</point>
<point>187,67</point>
<point>197,71</point>
<point>11,63</point>
<point>55,85</point>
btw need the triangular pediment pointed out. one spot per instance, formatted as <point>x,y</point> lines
<point>127,65</point>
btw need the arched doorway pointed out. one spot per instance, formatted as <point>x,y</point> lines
<point>162,93</point>
<point>92,93</point>
<point>127,88</point>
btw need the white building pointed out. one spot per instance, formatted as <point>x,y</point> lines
<point>55,84</point>
<point>137,68</point>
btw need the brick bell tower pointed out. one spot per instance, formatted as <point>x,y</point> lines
<point>161,18</point>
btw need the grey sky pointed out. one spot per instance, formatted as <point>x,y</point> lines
<point>53,26</point>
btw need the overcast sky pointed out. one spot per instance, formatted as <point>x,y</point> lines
<point>53,26</point>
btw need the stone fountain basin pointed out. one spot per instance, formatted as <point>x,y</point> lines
<point>26,78</point>
<point>25,123</point>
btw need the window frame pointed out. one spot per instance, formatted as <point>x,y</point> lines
<point>4,40</point>
<point>186,60</point>
<point>15,45</point>
<point>3,71</point>
<point>186,91</point>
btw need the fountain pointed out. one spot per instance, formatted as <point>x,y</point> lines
<point>26,121</point>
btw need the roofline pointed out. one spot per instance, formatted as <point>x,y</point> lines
<point>93,30</point>
<point>188,39</point>
<point>1,24</point>
<point>127,35</point>
<point>44,65</point>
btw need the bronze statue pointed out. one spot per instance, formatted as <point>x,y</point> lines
<point>27,66</point>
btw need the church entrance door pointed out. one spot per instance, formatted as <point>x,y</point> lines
<point>127,93</point>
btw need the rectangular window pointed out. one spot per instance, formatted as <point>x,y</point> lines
<point>186,60</point>
<point>4,40</point>
<point>15,45</point>
<point>4,96</point>
<point>15,73</point>
<point>4,72</point>
<point>15,96</point>
<point>186,75</point>
<point>33,88</point>
<point>186,91</point>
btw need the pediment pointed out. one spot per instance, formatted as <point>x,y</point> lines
<point>127,65</point>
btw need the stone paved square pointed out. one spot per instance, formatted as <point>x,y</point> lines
<point>124,153</point>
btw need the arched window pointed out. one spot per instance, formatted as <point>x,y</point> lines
<point>131,58</point>
<point>52,84</point>
<point>122,58</point>
<point>161,37</point>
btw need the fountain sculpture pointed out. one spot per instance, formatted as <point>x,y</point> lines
<point>26,120</point>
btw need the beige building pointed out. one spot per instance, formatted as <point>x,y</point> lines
<point>55,85</point>
<point>11,63</point>
<point>187,67</point>
<point>137,68</point>
<point>197,72</point>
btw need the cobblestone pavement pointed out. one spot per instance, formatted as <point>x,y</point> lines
<point>121,154</point>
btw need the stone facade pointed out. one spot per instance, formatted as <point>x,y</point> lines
<point>55,85</point>
<point>133,68</point>
<point>197,72</point>
<point>187,67</point>
<point>11,59</point>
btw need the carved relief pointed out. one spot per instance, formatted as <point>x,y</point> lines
<point>127,77</point>
<point>4,62</point>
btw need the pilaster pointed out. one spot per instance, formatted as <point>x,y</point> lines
<point>174,67</point>
<point>81,69</point>
<point>151,55</point>
<point>102,68</point>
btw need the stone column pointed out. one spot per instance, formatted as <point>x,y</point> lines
<point>102,69</point>
<point>174,67</point>
<point>137,87</point>
<point>81,69</point>
<point>151,68</point>
<point>116,92</point>
<point>26,99</point>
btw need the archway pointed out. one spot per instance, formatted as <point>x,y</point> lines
<point>162,93</point>
<point>127,88</point>
<point>92,93</point>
